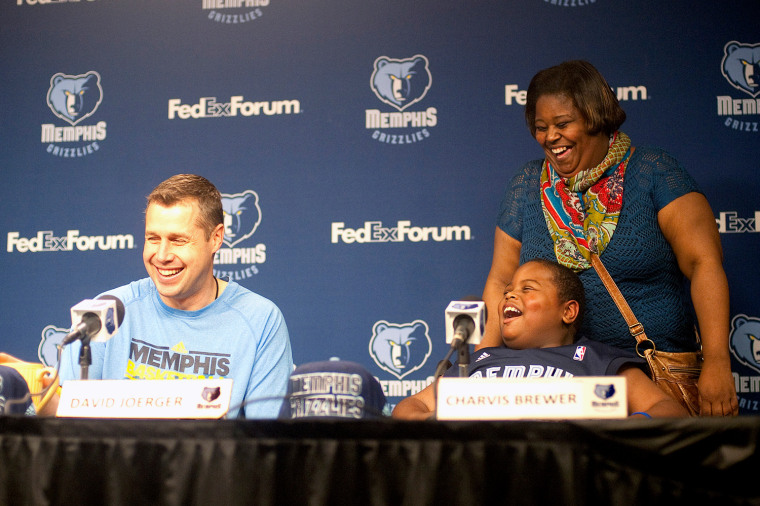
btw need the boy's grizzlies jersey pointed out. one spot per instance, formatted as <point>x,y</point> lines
<point>582,358</point>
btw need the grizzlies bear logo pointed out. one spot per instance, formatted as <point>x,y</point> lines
<point>604,392</point>
<point>74,98</point>
<point>242,216</point>
<point>401,83</point>
<point>400,349</point>
<point>741,66</point>
<point>745,340</point>
<point>47,351</point>
<point>210,394</point>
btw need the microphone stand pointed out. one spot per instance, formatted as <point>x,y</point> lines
<point>463,360</point>
<point>85,358</point>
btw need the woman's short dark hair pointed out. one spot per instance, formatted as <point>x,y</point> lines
<point>569,286</point>
<point>584,85</point>
<point>190,187</point>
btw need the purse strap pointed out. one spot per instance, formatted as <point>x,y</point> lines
<point>634,326</point>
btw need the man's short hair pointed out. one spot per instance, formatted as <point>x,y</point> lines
<point>582,83</point>
<point>569,286</point>
<point>184,187</point>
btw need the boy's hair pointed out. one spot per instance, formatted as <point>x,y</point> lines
<point>189,187</point>
<point>569,286</point>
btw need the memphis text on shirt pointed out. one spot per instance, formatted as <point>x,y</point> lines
<point>147,361</point>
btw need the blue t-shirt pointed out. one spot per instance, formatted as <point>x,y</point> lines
<point>241,335</point>
<point>638,257</point>
<point>584,357</point>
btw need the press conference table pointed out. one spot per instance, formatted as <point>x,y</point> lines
<point>385,462</point>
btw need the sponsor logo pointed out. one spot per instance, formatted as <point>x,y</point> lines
<point>234,12</point>
<point>74,99</point>
<point>745,347</point>
<point>400,349</point>
<point>242,216</point>
<point>210,394</point>
<point>209,107</point>
<point>604,392</point>
<point>374,231</point>
<point>48,241</point>
<point>400,84</point>
<point>514,95</point>
<point>741,68</point>
<point>729,222</point>
<point>47,351</point>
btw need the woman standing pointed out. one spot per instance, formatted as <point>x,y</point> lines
<point>638,207</point>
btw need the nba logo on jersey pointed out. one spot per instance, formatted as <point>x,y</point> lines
<point>579,352</point>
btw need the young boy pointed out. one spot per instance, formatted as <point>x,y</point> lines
<point>540,313</point>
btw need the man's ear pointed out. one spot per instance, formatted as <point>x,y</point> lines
<point>217,236</point>
<point>570,313</point>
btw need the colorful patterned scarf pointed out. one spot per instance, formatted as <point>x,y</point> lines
<point>582,211</point>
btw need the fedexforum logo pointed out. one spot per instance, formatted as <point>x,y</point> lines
<point>242,216</point>
<point>74,99</point>
<point>374,231</point>
<point>729,222</point>
<point>401,84</point>
<point>741,68</point>
<point>233,12</point>
<point>514,95</point>
<point>209,107</point>
<point>46,241</point>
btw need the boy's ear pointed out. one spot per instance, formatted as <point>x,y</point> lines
<point>571,312</point>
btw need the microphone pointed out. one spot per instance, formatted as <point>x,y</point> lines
<point>95,319</point>
<point>465,321</point>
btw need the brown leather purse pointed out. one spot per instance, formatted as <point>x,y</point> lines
<point>675,373</point>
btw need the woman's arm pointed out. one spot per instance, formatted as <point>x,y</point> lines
<point>689,226</point>
<point>506,259</point>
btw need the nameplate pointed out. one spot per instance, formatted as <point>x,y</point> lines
<point>192,398</point>
<point>538,398</point>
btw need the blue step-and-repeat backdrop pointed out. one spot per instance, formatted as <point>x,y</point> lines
<point>360,215</point>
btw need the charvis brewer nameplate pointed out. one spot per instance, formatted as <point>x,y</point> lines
<point>537,398</point>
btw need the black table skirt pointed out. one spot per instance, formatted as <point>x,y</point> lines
<point>387,462</point>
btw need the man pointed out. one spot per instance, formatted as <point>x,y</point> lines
<point>539,315</point>
<point>182,322</point>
